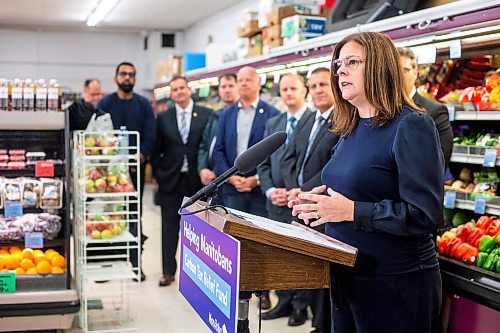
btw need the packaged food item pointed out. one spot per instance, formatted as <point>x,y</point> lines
<point>30,193</point>
<point>16,228</point>
<point>35,156</point>
<point>17,152</point>
<point>3,151</point>
<point>11,190</point>
<point>16,165</point>
<point>17,158</point>
<point>1,191</point>
<point>4,158</point>
<point>4,165</point>
<point>52,190</point>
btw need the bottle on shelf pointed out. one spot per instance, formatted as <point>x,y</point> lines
<point>17,95</point>
<point>28,95</point>
<point>53,95</point>
<point>4,95</point>
<point>123,141</point>
<point>41,96</point>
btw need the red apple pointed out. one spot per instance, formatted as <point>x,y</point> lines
<point>100,185</point>
<point>122,179</point>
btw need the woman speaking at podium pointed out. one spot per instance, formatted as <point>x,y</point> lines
<point>384,193</point>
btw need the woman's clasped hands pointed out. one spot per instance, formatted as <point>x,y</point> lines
<point>316,208</point>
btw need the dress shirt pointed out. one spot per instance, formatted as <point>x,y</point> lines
<point>325,115</point>
<point>244,125</point>
<point>189,113</point>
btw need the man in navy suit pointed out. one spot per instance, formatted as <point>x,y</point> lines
<point>175,165</point>
<point>240,127</point>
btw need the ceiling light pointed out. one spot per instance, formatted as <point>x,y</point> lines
<point>101,11</point>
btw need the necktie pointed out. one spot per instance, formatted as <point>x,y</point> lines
<point>312,137</point>
<point>291,127</point>
<point>184,130</point>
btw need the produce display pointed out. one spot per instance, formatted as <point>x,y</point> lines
<point>482,183</point>
<point>101,145</point>
<point>105,221</point>
<point>44,193</point>
<point>15,228</point>
<point>112,179</point>
<point>31,262</point>
<point>474,243</point>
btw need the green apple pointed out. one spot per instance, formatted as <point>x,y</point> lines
<point>106,234</point>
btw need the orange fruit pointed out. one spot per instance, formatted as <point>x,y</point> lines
<point>20,271</point>
<point>59,261</point>
<point>57,270</point>
<point>43,267</point>
<point>14,249</point>
<point>26,264</point>
<point>12,262</point>
<point>31,271</point>
<point>2,262</point>
<point>40,257</point>
<point>17,255</point>
<point>28,254</point>
<point>50,255</point>
<point>4,250</point>
<point>37,251</point>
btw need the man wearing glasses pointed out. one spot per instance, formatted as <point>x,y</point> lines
<point>135,113</point>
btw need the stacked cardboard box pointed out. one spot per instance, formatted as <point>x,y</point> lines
<point>297,28</point>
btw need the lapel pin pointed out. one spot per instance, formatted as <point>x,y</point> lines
<point>195,114</point>
<point>261,110</point>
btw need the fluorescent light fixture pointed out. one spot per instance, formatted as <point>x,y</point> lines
<point>101,11</point>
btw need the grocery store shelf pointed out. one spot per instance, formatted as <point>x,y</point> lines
<point>112,157</point>
<point>475,283</point>
<point>109,195</point>
<point>469,205</point>
<point>471,159</point>
<point>29,171</point>
<point>46,243</point>
<point>31,120</point>
<point>113,270</point>
<point>477,115</point>
<point>126,236</point>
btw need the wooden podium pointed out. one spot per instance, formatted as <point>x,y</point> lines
<point>281,256</point>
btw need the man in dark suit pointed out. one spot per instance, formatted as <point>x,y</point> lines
<point>179,132</point>
<point>302,164</point>
<point>240,127</point>
<point>228,93</point>
<point>437,111</point>
<point>293,92</point>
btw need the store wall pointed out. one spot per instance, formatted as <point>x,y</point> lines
<point>221,26</point>
<point>70,57</point>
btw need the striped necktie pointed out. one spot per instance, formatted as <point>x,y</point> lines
<point>292,123</point>
<point>184,130</point>
<point>312,138</point>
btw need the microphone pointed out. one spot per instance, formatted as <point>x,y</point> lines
<point>246,162</point>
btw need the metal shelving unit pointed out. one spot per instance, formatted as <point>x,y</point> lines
<point>99,257</point>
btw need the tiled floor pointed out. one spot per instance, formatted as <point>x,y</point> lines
<point>164,309</point>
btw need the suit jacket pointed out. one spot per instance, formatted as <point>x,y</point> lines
<point>439,114</point>
<point>321,152</point>
<point>225,148</point>
<point>170,149</point>
<point>205,161</point>
<point>270,173</point>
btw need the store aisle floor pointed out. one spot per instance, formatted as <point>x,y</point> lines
<point>164,309</point>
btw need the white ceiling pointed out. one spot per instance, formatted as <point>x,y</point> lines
<point>128,15</point>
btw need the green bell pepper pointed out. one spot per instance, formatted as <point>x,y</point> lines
<point>490,263</point>
<point>481,259</point>
<point>487,244</point>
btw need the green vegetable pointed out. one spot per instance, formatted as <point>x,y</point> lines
<point>481,259</point>
<point>487,244</point>
<point>459,218</point>
<point>490,263</point>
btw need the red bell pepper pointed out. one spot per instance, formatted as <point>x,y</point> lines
<point>478,241</point>
<point>464,232</point>
<point>484,222</point>
<point>443,244</point>
<point>492,230</point>
<point>452,246</point>
<point>471,255</point>
<point>475,235</point>
<point>460,251</point>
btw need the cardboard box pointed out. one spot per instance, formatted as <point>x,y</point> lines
<point>266,48</point>
<point>275,16</point>
<point>270,34</point>
<point>255,46</point>
<point>249,28</point>
<point>302,24</point>
<point>166,69</point>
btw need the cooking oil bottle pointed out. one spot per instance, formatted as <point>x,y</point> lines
<point>4,95</point>
<point>53,95</point>
<point>17,95</point>
<point>41,95</point>
<point>28,95</point>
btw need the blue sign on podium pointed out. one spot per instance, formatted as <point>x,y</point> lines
<point>209,274</point>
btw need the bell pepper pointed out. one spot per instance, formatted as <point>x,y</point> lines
<point>478,241</point>
<point>443,244</point>
<point>487,244</point>
<point>448,234</point>
<point>490,263</point>
<point>492,230</point>
<point>498,266</point>
<point>453,246</point>
<point>475,235</point>
<point>460,251</point>
<point>471,255</point>
<point>464,232</point>
<point>481,259</point>
<point>497,238</point>
<point>484,222</point>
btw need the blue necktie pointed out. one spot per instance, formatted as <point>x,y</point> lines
<point>319,123</point>
<point>291,127</point>
<point>184,132</point>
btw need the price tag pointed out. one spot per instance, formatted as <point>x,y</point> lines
<point>480,205</point>
<point>7,283</point>
<point>449,199</point>
<point>451,112</point>
<point>13,208</point>
<point>44,169</point>
<point>455,49</point>
<point>33,240</point>
<point>426,55</point>
<point>490,157</point>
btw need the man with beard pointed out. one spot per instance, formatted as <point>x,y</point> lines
<point>135,113</point>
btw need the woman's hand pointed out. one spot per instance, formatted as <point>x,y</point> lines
<point>333,207</point>
<point>297,201</point>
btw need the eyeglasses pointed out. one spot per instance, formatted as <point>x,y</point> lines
<point>125,74</point>
<point>351,62</point>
